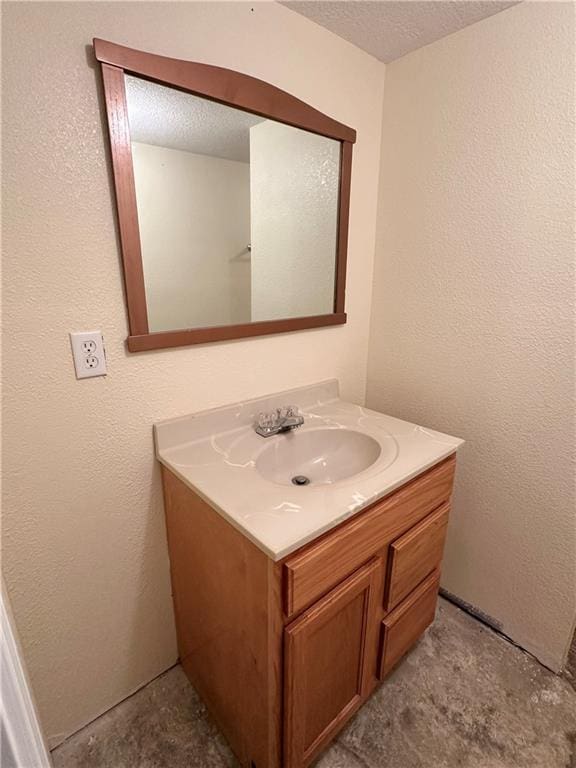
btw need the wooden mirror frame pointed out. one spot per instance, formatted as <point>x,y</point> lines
<point>235,90</point>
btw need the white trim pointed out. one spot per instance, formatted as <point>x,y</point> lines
<point>20,726</point>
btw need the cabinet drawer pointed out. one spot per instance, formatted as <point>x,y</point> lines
<point>414,555</point>
<point>402,627</point>
<point>317,568</point>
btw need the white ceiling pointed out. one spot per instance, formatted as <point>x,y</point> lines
<point>389,29</point>
<point>170,118</point>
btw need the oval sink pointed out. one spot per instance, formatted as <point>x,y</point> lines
<point>318,456</point>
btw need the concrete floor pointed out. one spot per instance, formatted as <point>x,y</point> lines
<point>463,697</point>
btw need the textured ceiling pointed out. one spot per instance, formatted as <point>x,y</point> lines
<point>389,29</point>
<point>169,118</point>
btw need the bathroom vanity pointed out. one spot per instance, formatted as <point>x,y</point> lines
<point>293,602</point>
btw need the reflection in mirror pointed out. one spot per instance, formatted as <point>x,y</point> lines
<point>238,214</point>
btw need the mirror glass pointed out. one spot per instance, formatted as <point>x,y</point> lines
<point>238,214</point>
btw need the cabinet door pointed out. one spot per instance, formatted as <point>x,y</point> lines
<point>329,662</point>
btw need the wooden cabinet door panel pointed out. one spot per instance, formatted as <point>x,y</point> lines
<point>402,628</point>
<point>329,662</point>
<point>415,555</point>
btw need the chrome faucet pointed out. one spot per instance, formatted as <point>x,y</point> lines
<point>282,419</point>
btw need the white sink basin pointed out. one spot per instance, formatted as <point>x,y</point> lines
<point>317,457</point>
<point>351,455</point>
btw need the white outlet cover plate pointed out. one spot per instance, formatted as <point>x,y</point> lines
<point>89,355</point>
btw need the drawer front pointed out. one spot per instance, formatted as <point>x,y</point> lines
<point>312,572</point>
<point>402,628</point>
<point>414,555</point>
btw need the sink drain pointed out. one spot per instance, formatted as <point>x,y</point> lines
<point>300,480</point>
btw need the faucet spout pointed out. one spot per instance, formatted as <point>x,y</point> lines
<point>291,423</point>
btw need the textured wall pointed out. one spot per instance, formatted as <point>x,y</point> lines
<point>194,217</point>
<point>294,186</point>
<point>473,302</point>
<point>84,552</point>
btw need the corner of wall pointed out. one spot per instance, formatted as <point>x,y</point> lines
<point>376,245</point>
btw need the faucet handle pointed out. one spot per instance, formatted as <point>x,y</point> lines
<point>267,420</point>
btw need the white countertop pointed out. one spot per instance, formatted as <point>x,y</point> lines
<point>215,453</point>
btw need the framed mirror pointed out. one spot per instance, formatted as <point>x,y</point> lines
<point>232,200</point>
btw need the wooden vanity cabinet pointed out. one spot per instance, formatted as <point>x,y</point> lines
<point>283,653</point>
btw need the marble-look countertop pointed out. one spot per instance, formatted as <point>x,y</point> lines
<point>215,453</point>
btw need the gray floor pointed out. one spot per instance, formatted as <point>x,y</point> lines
<point>463,697</point>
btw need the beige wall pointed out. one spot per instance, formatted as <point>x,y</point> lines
<point>194,219</point>
<point>473,309</point>
<point>84,551</point>
<point>293,222</point>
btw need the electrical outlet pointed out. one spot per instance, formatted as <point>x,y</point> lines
<point>89,355</point>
